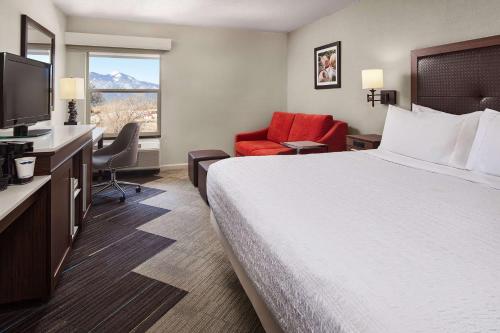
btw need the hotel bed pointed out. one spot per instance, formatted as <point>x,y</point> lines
<point>365,241</point>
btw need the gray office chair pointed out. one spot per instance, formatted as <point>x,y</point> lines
<point>119,154</point>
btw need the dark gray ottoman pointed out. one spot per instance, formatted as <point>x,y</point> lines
<point>196,156</point>
<point>202,177</point>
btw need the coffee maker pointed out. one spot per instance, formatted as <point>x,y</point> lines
<point>9,152</point>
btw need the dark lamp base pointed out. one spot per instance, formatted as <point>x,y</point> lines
<point>73,113</point>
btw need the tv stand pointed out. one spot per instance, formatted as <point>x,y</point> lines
<point>23,132</point>
<point>37,230</point>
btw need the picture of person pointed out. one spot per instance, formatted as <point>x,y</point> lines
<point>326,66</point>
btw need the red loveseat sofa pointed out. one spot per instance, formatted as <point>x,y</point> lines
<point>292,127</point>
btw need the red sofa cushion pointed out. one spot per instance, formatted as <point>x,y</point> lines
<point>309,127</point>
<point>273,151</point>
<point>279,129</point>
<point>247,147</point>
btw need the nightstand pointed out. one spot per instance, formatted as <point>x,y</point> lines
<point>363,141</point>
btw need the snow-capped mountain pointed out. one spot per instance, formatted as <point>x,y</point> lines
<point>117,80</point>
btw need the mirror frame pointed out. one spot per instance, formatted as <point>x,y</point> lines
<point>25,21</point>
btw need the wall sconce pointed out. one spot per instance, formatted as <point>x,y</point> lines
<point>373,79</point>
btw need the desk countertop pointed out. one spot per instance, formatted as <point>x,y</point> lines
<point>97,133</point>
<point>58,138</point>
<point>14,195</point>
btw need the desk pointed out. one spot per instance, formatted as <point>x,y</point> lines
<point>24,222</point>
<point>98,137</point>
<point>64,155</point>
<point>58,138</point>
<point>15,195</point>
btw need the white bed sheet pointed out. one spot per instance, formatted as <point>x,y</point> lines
<point>364,241</point>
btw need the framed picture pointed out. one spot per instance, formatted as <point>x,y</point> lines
<point>327,66</point>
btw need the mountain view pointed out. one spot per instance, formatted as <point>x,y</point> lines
<point>112,110</point>
<point>117,80</point>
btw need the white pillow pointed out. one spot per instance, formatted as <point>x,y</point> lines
<point>428,136</point>
<point>465,138</point>
<point>485,153</point>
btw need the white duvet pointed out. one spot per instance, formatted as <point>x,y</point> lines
<point>364,242</point>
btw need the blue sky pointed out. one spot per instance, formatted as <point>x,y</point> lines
<point>142,69</point>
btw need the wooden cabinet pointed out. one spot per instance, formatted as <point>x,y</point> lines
<point>87,179</point>
<point>363,141</point>
<point>36,238</point>
<point>64,165</point>
<point>24,240</point>
<point>60,238</point>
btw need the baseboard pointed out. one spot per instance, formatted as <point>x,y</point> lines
<point>167,167</point>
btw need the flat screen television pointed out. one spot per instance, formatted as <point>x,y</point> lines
<point>24,94</point>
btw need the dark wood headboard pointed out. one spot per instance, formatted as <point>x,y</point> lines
<point>457,78</point>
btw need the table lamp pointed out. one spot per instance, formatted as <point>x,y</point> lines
<point>72,88</point>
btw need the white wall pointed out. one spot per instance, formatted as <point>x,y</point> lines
<point>45,13</point>
<point>215,82</point>
<point>76,66</point>
<point>378,34</point>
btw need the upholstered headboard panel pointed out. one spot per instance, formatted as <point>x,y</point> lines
<point>458,78</point>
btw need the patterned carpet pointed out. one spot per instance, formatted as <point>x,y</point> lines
<point>149,264</point>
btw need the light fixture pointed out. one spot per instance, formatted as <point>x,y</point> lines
<point>72,88</point>
<point>373,79</point>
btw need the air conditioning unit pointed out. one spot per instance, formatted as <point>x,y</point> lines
<point>149,154</point>
<point>148,159</point>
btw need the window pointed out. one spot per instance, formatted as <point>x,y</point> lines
<point>124,88</point>
<point>40,53</point>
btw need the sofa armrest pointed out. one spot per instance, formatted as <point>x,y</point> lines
<point>335,138</point>
<point>252,136</point>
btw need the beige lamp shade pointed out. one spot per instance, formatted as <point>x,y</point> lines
<point>372,78</point>
<point>72,88</point>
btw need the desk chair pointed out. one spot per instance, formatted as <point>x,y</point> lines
<point>119,154</point>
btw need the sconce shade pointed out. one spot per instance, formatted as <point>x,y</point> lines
<point>72,88</point>
<point>372,78</point>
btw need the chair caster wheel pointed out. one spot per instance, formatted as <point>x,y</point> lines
<point>122,199</point>
<point>138,189</point>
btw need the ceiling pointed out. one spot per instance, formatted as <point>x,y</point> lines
<point>267,15</point>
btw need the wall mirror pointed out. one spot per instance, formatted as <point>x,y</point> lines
<point>38,43</point>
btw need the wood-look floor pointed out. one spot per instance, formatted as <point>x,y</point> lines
<point>152,264</point>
